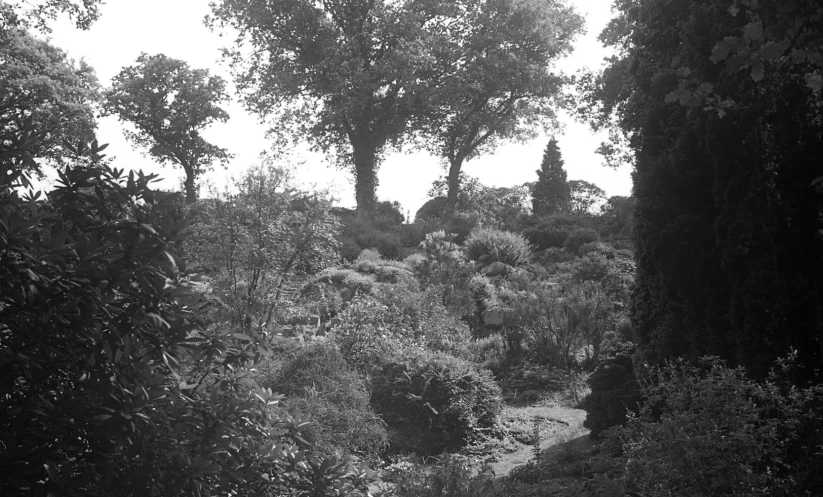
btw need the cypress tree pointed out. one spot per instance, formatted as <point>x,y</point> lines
<point>550,194</point>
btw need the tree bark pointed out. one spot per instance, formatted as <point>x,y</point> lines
<point>454,182</point>
<point>191,191</point>
<point>365,180</point>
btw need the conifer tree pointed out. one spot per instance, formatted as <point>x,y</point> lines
<point>550,194</point>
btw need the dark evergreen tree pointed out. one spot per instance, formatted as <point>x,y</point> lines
<point>727,223</point>
<point>550,194</point>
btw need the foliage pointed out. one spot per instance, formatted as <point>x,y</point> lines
<point>709,430</point>
<point>562,319</point>
<point>260,243</point>
<point>720,268</point>
<point>393,320</point>
<point>580,237</point>
<point>476,205</point>
<point>45,100</point>
<point>550,231</point>
<point>321,386</point>
<point>434,402</point>
<point>584,195</point>
<point>614,392</point>
<point>486,246</point>
<point>498,84</point>
<point>169,104</point>
<point>445,267</point>
<point>382,232</point>
<point>113,384</point>
<point>36,13</point>
<point>551,194</point>
<point>337,73</point>
<point>616,220</point>
<point>452,476</point>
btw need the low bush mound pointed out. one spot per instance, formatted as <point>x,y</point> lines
<point>580,237</point>
<point>320,385</point>
<point>487,246</point>
<point>434,402</point>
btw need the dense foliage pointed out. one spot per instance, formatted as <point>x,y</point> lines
<point>727,220</point>
<point>114,383</point>
<point>710,430</point>
<point>551,194</point>
<point>169,104</point>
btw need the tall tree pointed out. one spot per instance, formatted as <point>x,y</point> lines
<point>45,100</point>
<point>169,104</point>
<point>341,74</point>
<point>496,81</point>
<point>550,194</point>
<point>727,219</point>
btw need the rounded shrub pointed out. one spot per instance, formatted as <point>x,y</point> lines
<point>580,237</point>
<point>489,245</point>
<point>614,390</point>
<point>434,402</point>
<point>318,384</point>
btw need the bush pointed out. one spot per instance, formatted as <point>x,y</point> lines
<point>580,237</point>
<point>489,245</point>
<point>550,231</point>
<point>709,430</point>
<point>320,385</point>
<point>434,402</point>
<point>614,391</point>
<point>491,352</point>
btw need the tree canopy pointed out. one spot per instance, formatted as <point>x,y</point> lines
<point>46,99</point>
<point>341,74</point>
<point>169,105</point>
<point>497,82</point>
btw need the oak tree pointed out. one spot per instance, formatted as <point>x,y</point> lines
<point>169,104</point>
<point>340,74</point>
<point>496,82</point>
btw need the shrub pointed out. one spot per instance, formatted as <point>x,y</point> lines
<point>550,231</point>
<point>580,237</point>
<point>709,430</point>
<point>434,402</point>
<point>614,391</point>
<point>489,245</point>
<point>490,352</point>
<point>320,385</point>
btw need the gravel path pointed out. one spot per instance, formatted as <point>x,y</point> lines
<point>560,429</point>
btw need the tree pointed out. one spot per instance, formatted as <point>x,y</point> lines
<point>550,194</point>
<point>45,100</point>
<point>498,85</point>
<point>169,104</point>
<point>584,195</point>
<point>36,13</point>
<point>341,74</point>
<point>726,210</point>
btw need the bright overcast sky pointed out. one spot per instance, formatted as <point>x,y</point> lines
<point>175,28</point>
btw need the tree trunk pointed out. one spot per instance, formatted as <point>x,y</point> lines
<point>365,177</point>
<point>454,182</point>
<point>191,191</point>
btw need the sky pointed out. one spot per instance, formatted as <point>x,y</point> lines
<point>175,28</point>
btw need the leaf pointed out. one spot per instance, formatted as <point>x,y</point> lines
<point>753,31</point>
<point>772,50</point>
<point>757,71</point>
<point>720,51</point>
